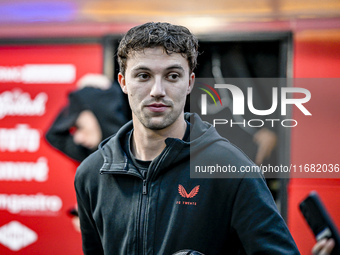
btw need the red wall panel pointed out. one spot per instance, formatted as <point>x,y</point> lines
<point>316,139</point>
<point>34,83</point>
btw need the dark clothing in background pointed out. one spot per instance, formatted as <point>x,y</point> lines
<point>109,106</point>
<point>123,212</point>
<point>241,65</point>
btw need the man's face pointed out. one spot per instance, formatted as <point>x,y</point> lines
<point>157,85</point>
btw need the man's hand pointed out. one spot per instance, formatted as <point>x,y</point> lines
<point>266,141</point>
<point>323,247</point>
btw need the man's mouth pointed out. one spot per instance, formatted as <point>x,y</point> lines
<point>157,107</point>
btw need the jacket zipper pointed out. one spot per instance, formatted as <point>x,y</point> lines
<point>144,201</point>
<point>142,218</point>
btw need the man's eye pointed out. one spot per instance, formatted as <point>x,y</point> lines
<point>143,76</point>
<point>173,76</point>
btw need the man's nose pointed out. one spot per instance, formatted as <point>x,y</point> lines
<point>157,89</point>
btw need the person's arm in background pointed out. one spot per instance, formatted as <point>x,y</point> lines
<point>59,134</point>
<point>60,137</point>
<point>96,96</point>
<point>266,140</point>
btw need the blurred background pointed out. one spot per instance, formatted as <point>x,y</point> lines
<point>47,46</point>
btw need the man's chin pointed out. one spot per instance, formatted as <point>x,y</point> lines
<point>157,123</point>
<point>156,126</point>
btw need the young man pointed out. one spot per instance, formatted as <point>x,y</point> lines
<point>135,194</point>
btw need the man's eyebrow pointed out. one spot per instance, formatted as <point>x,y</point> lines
<point>138,68</point>
<point>145,68</point>
<point>175,67</point>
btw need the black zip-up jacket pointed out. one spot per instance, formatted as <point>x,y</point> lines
<point>123,213</point>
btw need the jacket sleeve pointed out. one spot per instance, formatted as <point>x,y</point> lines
<point>257,222</point>
<point>59,137</point>
<point>91,241</point>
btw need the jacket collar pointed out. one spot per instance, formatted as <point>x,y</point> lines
<point>116,161</point>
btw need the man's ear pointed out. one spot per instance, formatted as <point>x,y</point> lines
<point>191,83</point>
<point>122,82</point>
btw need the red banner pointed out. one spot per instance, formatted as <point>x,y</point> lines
<point>36,181</point>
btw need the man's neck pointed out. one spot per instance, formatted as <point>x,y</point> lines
<point>147,144</point>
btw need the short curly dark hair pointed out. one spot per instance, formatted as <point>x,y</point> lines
<point>172,38</point>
